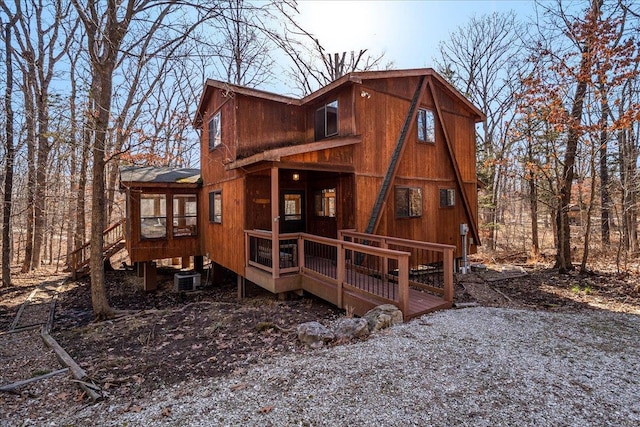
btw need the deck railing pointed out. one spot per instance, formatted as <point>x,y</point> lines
<point>430,264</point>
<point>380,273</point>
<point>111,237</point>
<point>260,252</point>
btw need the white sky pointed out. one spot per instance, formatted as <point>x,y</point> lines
<point>407,31</point>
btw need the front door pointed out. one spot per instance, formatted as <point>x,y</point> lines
<point>292,211</point>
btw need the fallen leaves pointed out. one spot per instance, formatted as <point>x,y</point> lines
<point>265,409</point>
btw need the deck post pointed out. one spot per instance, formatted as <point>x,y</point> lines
<point>340,272</point>
<point>242,290</point>
<point>300,251</point>
<point>385,260</point>
<point>403,284</point>
<point>448,275</point>
<point>150,280</point>
<point>275,227</point>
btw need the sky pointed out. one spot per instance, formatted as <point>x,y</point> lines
<point>407,31</point>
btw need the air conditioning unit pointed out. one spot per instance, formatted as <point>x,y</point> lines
<point>186,281</point>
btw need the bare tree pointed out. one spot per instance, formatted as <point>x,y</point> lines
<point>10,153</point>
<point>483,60</point>
<point>39,60</point>
<point>311,65</point>
<point>566,75</point>
<point>107,25</point>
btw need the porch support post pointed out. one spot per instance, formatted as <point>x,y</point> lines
<point>340,273</point>
<point>448,275</point>
<point>275,226</point>
<point>150,280</point>
<point>403,285</point>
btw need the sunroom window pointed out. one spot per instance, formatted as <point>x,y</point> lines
<point>153,216</point>
<point>185,215</point>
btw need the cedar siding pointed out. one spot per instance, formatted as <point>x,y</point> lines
<point>261,131</point>
<point>290,196</point>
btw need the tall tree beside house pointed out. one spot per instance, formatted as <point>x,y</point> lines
<point>42,39</point>
<point>10,154</point>
<point>108,25</point>
<point>243,51</point>
<point>596,57</point>
<point>483,59</point>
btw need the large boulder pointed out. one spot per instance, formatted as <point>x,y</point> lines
<point>314,334</point>
<point>383,316</point>
<point>346,328</point>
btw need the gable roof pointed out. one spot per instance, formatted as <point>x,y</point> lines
<point>355,77</point>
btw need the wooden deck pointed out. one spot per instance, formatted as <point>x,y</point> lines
<point>341,277</point>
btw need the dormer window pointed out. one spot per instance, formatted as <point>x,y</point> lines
<point>214,131</point>
<point>326,120</point>
<point>426,126</point>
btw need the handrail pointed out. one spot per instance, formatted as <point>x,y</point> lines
<point>81,256</point>
<point>446,250</point>
<point>341,246</point>
<point>397,240</point>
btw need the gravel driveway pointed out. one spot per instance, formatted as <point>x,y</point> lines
<point>476,367</point>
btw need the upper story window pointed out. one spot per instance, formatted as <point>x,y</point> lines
<point>215,206</point>
<point>447,198</point>
<point>153,216</point>
<point>213,129</point>
<point>426,126</point>
<point>326,120</point>
<point>408,202</point>
<point>185,215</point>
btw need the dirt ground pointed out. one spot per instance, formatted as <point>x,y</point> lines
<point>170,337</point>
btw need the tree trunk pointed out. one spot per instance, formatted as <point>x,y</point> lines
<point>102,88</point>
<point>587,232</point>
<point>31,173</point>
<point>72,211</point>
<point>40,196</point>
<point>563,254</point>
<point>10,154</point>
<point>605,199</point>
<point>80,235</point>
<point>534,255</point>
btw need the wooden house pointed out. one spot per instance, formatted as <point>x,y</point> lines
<point>343,188</point>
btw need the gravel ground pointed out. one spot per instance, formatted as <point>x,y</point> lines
<point>479,367</point>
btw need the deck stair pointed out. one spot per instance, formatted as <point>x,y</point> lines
<point>113,242</point>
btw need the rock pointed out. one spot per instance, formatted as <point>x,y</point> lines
<point>383,316</point>
<point>349,328</point>
<point>314,334</point>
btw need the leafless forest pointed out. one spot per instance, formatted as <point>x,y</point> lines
<point>92,85</point>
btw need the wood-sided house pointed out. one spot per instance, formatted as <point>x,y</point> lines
<point>340,184</point>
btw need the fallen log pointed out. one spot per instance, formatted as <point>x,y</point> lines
<point>77,372</point>
<point>10,388</point>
